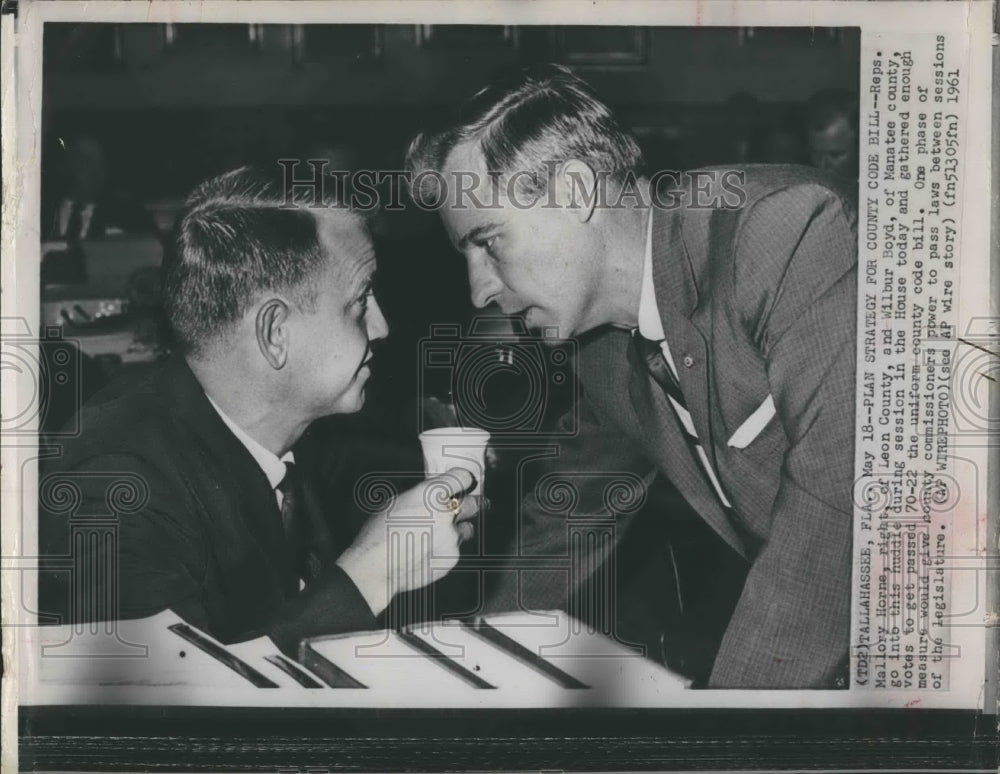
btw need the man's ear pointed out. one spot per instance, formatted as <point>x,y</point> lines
<point>578,189</point>
<point>271,327</point>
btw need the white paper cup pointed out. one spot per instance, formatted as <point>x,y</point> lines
<point>456,447</point>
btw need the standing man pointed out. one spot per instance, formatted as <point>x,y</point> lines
<point>273,311</point>
<point>719,348</point>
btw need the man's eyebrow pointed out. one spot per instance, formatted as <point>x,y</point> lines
<point>366,281</point>
<point>363,279</point>
<point>476,233</point>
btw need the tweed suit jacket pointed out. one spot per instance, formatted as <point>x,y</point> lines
<point>758,308</point>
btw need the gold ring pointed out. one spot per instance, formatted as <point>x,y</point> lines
<point>453,505</point>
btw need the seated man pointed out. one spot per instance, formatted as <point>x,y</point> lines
<point>211,513</point>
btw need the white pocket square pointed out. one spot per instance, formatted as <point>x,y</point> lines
<point>754,424</point>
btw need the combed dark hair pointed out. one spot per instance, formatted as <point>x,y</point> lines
<point>237,237</point>
<point>541,114</point>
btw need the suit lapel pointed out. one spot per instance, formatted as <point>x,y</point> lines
<point>672,454</point>
<point>677,298</point>
<point>250,495</point>
<point>675,283</point>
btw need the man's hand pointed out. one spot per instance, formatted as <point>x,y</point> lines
<point>415,540</point>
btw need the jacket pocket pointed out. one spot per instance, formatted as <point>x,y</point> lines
<point>753,425</point>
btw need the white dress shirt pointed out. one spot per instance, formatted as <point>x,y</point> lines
<point>270,463</point>
<point>650,325</point>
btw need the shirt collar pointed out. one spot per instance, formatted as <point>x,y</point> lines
<point>273,467</point>
<point>650,325</point>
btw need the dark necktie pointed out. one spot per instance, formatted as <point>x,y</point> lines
<point>651,354</point>
<point>294,523</point>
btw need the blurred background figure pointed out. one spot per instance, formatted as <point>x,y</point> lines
<point>85,203</point>
<point>779,140</point>
<point>101,252</point>
<point>832,133</point>
<point>80,203</point>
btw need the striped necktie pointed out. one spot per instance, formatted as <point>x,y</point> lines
<point>651,354</point>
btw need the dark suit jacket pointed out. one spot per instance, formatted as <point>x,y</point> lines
<point>754,302</point>
<point>156,504</point>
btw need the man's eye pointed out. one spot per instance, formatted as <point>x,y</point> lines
<point>363,300</point>
<point>487,244</point>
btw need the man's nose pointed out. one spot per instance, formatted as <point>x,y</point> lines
<point>378,328</point>
<point>484,284</point>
